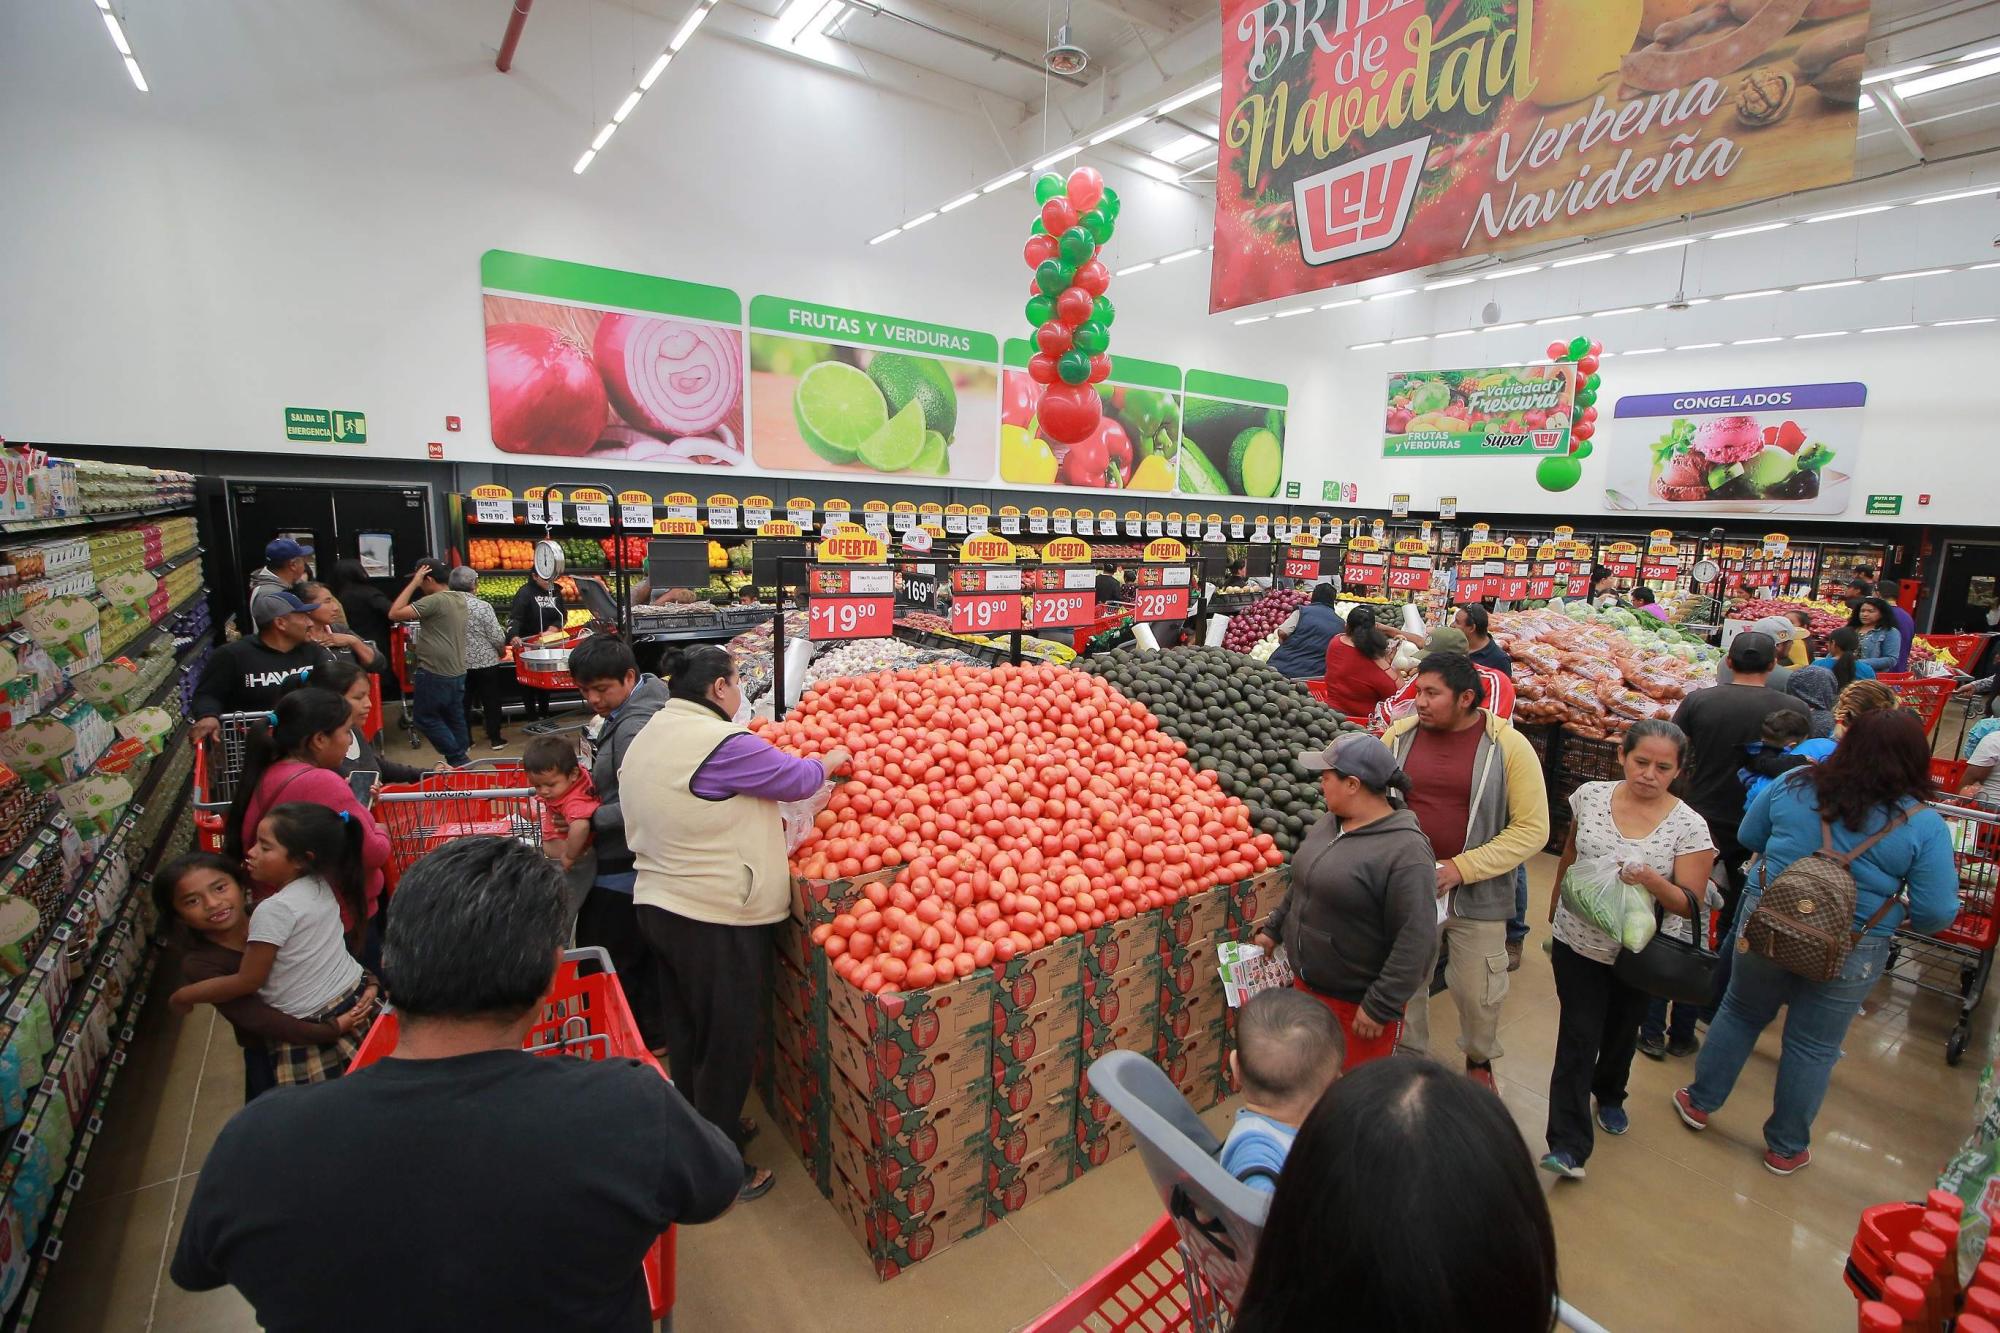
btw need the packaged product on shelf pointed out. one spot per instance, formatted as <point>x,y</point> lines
<point>67,628</point>
<point>14,1086</point>
<point>29,679</point>
<point>20,927</point>
<point>33,1188</point>
<point>110,878</point>
<point>14,1256</point>
<point>22,811</point>
<point>57,746</point>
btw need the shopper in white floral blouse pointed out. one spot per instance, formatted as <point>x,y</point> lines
<point>485,645</point>
<point>1664,847</point>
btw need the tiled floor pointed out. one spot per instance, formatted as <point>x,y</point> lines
<point>1670,1227</point>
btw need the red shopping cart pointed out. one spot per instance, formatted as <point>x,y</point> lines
<point>487,799</point>
<point>1925,696</point>
<point>1957,960</point>
<point>583,1017</point>
<point>218,763</point>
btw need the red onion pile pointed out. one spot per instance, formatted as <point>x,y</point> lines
<point>1823,622</point>
<point>1261,617</point>
<point>543,392</point>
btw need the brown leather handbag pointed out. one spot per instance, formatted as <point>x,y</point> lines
<point>1802,921</point>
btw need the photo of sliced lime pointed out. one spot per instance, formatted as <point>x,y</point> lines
<point>905,379</point>
<point>897,444</point>
<point>935,458</point>
<point>838,407</point>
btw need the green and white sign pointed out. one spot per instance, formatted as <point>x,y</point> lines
<point>1480,413</point>
<point>1885,504</point>
<point>318,425</point>
<point>1232,436</point>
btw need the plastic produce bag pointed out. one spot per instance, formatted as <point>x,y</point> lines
<point>798,816</point>
<point>1593,890</point>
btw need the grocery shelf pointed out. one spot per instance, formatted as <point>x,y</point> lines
<point>139,642</point>
<point>31,526</point>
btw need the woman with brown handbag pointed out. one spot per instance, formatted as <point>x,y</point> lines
<point>1867,800</point>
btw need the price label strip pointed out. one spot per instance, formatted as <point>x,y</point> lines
<point>594,516</point>
<point>846,602</point>
<point>492,511</point>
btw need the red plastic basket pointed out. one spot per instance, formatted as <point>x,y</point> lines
<point>1925,696</point>
<point>1885,1229</point>
<point>1142,1289</point>
<point>1964,648</point>
<point>463,803</point>
<point>1975,840</point>
<point>582,1017</point>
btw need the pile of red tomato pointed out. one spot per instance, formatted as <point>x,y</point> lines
<point>1022,804</point>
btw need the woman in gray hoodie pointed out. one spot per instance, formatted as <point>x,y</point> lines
<point>1359,921</point>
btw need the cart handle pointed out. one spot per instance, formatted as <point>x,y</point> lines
<point>470,793</point>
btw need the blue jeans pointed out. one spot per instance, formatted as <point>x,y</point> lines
<point>1517,929</point>
<point>1657,1025</point>
<point>1816,1019</point>
<point>439,712</point>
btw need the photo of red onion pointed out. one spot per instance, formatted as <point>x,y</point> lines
<point>544,393</point>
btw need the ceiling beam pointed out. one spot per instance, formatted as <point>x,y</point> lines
<point>1153,15</point>
<point>886,72</point>
<point>948,24</point>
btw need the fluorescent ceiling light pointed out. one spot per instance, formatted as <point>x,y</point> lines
<point>1948,77</point>
<point>1454,333</point>
<point>1645,351</point>
<point>138,79</point>
<point>1179,255</point>
<point>919,220</point>
<point>117,33</point>
<point>798,16</point>
<point>1366,347</point>
<point>1690,301</point>
<point>1131,123</point>
<point>1337,305</point>
<point>583,162</point>
<point>960,202</point>
<point>1621,310</point>
<point>1208,89</point>
<point>1961,194</point>
<point>1580,259</point>
<point>1829,286</point>
<point>1961,323</point>
<point>1867,101</point>
<point>604,136</point>
<point>1390,296</point>
<point>653,74</point>
<point>1413,338</point>
<point>1183,148</point>
<point>1060,155</point>
<point>892,232</point>
<point>1003,182</point>
<point>1890,328</point>
<point>1991,264</point>
<point>1287,314</point>
<point>1443,283</point>
<point>625,107</point>
<point>1515,272</point>
<point>1913,273</point>
<point>688,25</point>
<point>1661,245</point>
<point>1696,347</point>
<point>1757,230</point>
<point>1503,328</point>
<point>1831,333</point>
<point>1850,213</point>
<point>1606,356</point>
<point>1159,171</point>
<point>1557,319</point>
<point>1893,72</point>
<point>1140,267</point>
<point>1752,342</point>
<point>1253,319</point>
<point>1751,296</point>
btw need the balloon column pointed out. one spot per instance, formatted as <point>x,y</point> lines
<point>1067,306</point>
<point>1560,472</point>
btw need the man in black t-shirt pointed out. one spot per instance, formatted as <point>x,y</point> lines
<point>461,1183</point>
<point>249,675</point>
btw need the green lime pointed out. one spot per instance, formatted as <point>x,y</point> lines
<point>935,457</point>
<point>837,408</point>
<point>906,379</point>
<point>897,444</point>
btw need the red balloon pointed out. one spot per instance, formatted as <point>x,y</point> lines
<point>1034,287</point>
<point>1582,430</point>
<point>1588,414</point>
<point>1073,306</point>
<point>1053,338</point>
<point>1093,277</point>
<point>1042,368</point>
<point>1100,368</point>
<point>1587,365</point>
<point>1058,216</point>
<point>1558,350</point>
<point>1069,412</point>
<point>1596,347</point>
<point>1085,187</point>
<point>1038,249</point>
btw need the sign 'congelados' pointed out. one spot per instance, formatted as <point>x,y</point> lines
<point>1363,137</point>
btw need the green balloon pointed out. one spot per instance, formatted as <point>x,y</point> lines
<point>1592,382</point>
<point>1557,473</point>
<point>1586,398</point>
<point>1041,309</point>
<point>1581,450</point>
<point>1098,223</point>
<point>1092,337</point>
<point>1579,346</point>
<point>1109,203</point>
<point>1073,367</point>
<point>1052,275</point>
<point>1076,245</point>
<point>1103,312</point>
<point>1038,229</point>
<point>1047,186</point>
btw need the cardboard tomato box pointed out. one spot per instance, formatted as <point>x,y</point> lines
<point>1254,898</point>
<point>794,991</point>
<point>916,1021</point>
<point>1108,1147</point>
<point>1132,992</point>
<point>805,1133</point>
<point>911,1136</point>
<point>1194,920</point>
<point>885,1071</point>
<point>1109,1022</point>
<point>1010,1187</point>
<point>1194,1064</point>
<point>793,943</point>
<point>1015,1138</point>
<point>1026,981</point>
<point>803,1087</point>
<point>1194,972</point>
<point>801,1042</point>
<point>914,1187</point>
<point>1019,1037</point>
<point>817,900</point>
<point>1117,945</point>
<point>1181,1015</point>
<point>1019,1085</point>
<point>895,1241</point>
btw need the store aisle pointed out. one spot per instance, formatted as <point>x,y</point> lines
<point>1670,1226</point>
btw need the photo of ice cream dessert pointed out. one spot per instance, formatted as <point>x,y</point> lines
<point>1736,458</point>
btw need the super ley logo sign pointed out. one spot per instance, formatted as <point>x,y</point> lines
<point>1360,208</point>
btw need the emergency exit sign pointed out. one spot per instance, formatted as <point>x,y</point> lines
<point>319,425</point>
<point>1885,504</point>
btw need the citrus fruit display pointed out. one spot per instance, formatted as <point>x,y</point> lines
<point>838,408</point>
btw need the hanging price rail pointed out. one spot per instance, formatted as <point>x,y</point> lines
<point>850,602</point>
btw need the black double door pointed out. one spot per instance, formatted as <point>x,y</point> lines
<point>385,527</point>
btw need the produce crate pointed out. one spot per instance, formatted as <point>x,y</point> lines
<point>1587,759</point>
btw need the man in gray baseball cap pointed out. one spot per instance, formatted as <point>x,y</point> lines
<point>247,676</point>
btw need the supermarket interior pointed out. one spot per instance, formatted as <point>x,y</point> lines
<point>998,561</point>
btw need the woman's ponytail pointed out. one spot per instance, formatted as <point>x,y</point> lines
<point>326,843</point>
<point>300,716</point>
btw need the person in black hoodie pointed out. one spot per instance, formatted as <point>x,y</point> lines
<point>537,608</point>
<point>1359,921</point>
<point>248,675</point>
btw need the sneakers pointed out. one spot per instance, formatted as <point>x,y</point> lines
<point>1784,1166</point>
<point>1652,1047</point>
<point>1612,1119</point>
<point>1691,1115</point>
<point>497,746</point>
<point>1680,1047</point>
<point>1562,1164</point>
<point>1481,1072</point>
<point>1513,955</point>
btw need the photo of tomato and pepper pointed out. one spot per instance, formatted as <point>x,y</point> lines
<point>1134,447</point>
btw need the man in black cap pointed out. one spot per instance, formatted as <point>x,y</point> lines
<point>284,565</point>
<point>247,676</point>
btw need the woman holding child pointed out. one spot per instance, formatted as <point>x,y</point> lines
<point>1359,921</point>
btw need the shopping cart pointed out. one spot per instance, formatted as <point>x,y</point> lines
<point>218,763</point>
<point>399,671</point>
<point>585,1017</point>
<point>484,799</point>
<point>1925,696</point>
<point>1957,960</point>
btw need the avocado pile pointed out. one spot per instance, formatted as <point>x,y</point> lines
<point>1239,718</point>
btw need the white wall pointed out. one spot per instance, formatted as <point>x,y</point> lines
<point>295,216</point>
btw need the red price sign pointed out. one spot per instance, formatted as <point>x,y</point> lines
<point>985,612</point>
<point>1511,589</point>
<point>1400,577</point>
<point>1301,564</point>
<point>850,617</point>
<point>1660,573</point>
<point>1541,588</point>
<point>1061,610</point>
<point>1471,589</point>
<point>1150,604</point>
<point>1358,575</point>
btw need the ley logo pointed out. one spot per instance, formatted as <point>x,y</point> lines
<point>1358,207</point>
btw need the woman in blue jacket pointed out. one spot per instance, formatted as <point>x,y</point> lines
<point>1878,778</point>
<point>1881,641</point>
<point>1302,655</point>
